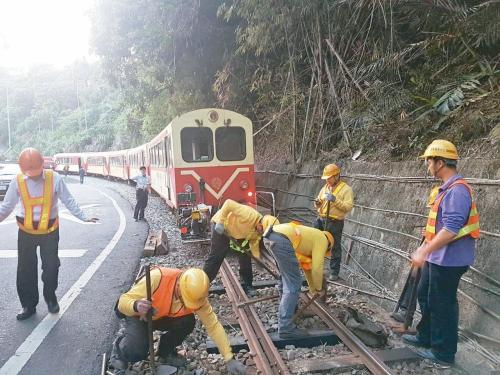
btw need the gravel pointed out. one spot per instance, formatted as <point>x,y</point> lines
<point>194,347</point>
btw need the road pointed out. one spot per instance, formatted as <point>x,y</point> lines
<point>98,262</point>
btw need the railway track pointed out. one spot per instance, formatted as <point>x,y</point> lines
<point>267,358</point>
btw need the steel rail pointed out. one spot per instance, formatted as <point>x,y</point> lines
<point>370,360</point>
<point>267,358</point>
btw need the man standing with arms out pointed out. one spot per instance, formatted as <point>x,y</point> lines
<point>448,251</point>
<point>238,227</point>
<point>177,295</point>
<point>293,246</point>
<point>142,189</point>
<point>37,217</point>
<point>334,202</point>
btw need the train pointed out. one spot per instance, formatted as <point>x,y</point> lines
<point>199,160</point>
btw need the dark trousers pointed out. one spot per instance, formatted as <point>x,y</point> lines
<point>81,179</point>
<point>27,266</point>
<point>142,201</point>
<point>437,297</point>
<point>219,248</point>
<point>335,227</point>
<point>132,344</point>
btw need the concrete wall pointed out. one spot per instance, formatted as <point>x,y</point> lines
<point>388,268</point>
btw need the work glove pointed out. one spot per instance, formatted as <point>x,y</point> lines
<point>235,367</point>
<point>330,197</point>
<point>219,228</point>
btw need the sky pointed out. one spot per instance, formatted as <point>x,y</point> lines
<point>54,32</point>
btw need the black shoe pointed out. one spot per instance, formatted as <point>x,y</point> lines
<point>136,220</point>
<point>430,355</point>
<point>249,290</point>
<point>175,360</point>
<point>333,277</point>
<point>53,307</point>
<point>26,312</point>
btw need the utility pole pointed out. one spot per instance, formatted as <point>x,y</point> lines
<point>8,118</point>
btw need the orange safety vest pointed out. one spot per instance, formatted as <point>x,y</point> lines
<point>29,203</point>
<point>471,228</point>
<point>335,192</point>
<point>163,295</point>
<point>305,261</point>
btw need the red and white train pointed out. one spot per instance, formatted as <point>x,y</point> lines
<point>196,162</point>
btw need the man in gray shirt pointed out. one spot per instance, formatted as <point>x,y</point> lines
<point>35,192</point>
<point>142,189</point>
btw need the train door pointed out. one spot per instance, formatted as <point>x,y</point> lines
<point>168,169</point>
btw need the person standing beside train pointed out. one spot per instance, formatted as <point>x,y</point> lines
<point>37,218</point>
<point>334,202</point>
<point>142,190</point>
<point>238,227</point>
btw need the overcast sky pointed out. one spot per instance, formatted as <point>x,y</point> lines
<point>55,32</point>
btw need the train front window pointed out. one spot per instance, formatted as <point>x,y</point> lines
<point>197,144</point>
<point>230,144</point>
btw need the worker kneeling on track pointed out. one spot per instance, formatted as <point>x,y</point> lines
<point>238,227</point>
<point>177,296</point>
<point>294,247</point>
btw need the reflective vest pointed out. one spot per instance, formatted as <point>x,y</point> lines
<point>29,203</point>
<point>335,192</point>
<point>305,261</point>
<point>471,228</point>
<point>163,295</point>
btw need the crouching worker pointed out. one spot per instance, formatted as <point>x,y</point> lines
<point>177,296</point>
<point>294,247</point>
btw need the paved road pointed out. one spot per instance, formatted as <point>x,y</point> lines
<point>97,264</point>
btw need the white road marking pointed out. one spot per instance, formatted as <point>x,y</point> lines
<point>15,363</point>
<point>67,253</point>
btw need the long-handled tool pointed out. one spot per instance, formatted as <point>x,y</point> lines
<point>160,369</point>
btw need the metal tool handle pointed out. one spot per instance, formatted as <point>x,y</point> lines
<point>149,316</point>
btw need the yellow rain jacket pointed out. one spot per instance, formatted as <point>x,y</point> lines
<point>342,205</point>
<point>239,223</point>
<point>205,312</point>
<point>311,243</point>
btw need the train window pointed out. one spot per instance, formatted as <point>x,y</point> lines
<point>230,144</point>
<point>197,144</point>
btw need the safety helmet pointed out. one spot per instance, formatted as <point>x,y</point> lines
<point>269,220</point>
<point>31,162</point>
<point>193,285</point>
<point>440,148</point>
<point>329,171</point>
<point>329,237</point>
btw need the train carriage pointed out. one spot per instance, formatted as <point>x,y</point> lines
<point>117,164</point>
<point>136,158</point>
<point>96,163</point>
<point>72,160</point>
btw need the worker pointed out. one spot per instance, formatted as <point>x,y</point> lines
<point>177,296</point>
<point>142,190</point>
<point>296,245</point>
<point>446,254</point>
<point>81,173</point>
<point>238,227</point>
<point>37,218</point>
<point>333,203</point>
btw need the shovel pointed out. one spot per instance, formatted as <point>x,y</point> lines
<point>160,369</point>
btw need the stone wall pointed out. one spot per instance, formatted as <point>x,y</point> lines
<point>410,196</point>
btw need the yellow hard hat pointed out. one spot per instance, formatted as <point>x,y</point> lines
<point>329,237</point>
<point>329,171</point>
<point>440,148</point>
<point>193,285</point>
<point>269,220</point>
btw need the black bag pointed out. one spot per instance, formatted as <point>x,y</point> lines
<point>371,333</point>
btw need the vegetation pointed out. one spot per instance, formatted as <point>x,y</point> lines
<point>328,75</point>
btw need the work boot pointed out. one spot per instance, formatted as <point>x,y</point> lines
<point>173,359</point>
<point>399,316</point>
<point>249,290</point>
<point>25,313</point>
<point>333,277</point>
<point>53,307</point>
<point>414,340</point>
<point>115,360</point>
<point>294,334</point>
<point>429,354</point>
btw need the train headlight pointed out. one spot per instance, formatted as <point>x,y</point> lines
<point>188,188</point>
<point>244,184</point>
<point>250,193</point>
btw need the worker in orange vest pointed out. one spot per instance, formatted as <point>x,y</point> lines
<point>297,247</point>
<point>37,218</point>
<point>446,254</point>
<point>177,296</point>
<point>333,203</point>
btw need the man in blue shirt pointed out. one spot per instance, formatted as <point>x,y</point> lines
<point>35,192</point>
<point>142,189</point>
<point>448,251</point>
